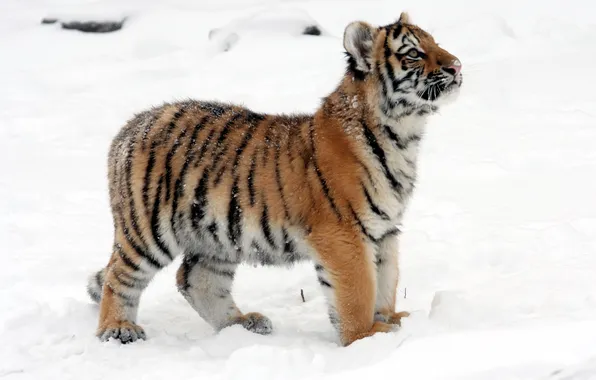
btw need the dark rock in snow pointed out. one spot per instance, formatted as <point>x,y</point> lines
<point>93,26</point>
<point>312,30</point>
<point>87,26</point>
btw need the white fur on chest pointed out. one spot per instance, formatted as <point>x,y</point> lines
<point>401,159</point>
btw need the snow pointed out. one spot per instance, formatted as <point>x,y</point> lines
<point>499,246</point>
<point>264,23</point>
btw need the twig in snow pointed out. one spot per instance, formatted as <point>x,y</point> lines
<point>302,295</point>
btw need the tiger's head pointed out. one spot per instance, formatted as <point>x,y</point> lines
<point>406,67</point>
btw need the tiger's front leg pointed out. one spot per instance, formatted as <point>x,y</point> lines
<point>387,268</point>
<point>347,274</point>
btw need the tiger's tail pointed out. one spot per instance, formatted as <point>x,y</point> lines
<point>95,285</point>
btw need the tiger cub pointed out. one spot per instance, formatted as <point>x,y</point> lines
<point>221,185</point>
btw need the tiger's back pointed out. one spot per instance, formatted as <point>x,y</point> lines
<point>211,179</point>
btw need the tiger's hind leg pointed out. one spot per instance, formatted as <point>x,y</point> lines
<point>122,283</point>
<point>206,284</point>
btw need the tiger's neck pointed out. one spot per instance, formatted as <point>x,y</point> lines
<point>362,100</point>
<point>356,102</point>
<point>388,132</point>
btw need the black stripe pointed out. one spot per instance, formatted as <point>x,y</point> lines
<point>324,282</point>
<point>266,227</point>
<point>212,228</point>
<point>373,206</point>
<point>395,138</point>
<point>423,111</point>
<point>251,178</point>
<point>361,225</point>
<point>208,263</point>
<point>290,253</point>
<point>389,232</point>
<point>197,209</point>
<point>206,144</point>
<point>148,170</point>
<point>392,231</point>
<point>137,283</point>
<point>390,72</point>
<point>322,180</point>
<point>303,149</point>
<point>402,51</point>
<point>262,256</point>
<point>291,136</point>
<point>131,201</point>
<point>288,243</point>
<point>126,260</point>
<point>220,261</point>
<point>125,282</point>
<point>155,221</point>
<point>219,144</point>
<point>380,154</point>
<point>388,51</point>
<point>127,300</point>
<point>234,213</point>
<point>188,263</point>
<point>221,272</point>
<point>169,156</point>
<point>172,124</point>
<point>384,88</point>
<point>400,143</point>
<point>254,119</point>
<point>353,69</point>
<point>139,250</point>
<point>151,161</point>
<point>397,31</point>
<point>190,153</point>
<point>404,103</point>
<point>368,174</point>
<point>280,187</point>
<point>223,147</point>
<point>416,38</point>
<point>267,140</point>
<point>154,116</point>
<point>219,174</point>
<point>406,38</point>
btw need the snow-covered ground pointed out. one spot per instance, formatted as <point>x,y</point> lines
<point>499,246</point>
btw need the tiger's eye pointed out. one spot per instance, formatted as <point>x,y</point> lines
<point>413,53</point>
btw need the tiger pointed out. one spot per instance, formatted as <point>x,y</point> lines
<point>221,185</point>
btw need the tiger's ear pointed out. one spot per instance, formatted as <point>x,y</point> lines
<point>404,18</point>
<point>358,42</point>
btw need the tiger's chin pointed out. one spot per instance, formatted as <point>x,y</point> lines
<point>446,96</point>
<point>449,95</point>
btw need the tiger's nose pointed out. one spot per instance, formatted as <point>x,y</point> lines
<point>454,68</point>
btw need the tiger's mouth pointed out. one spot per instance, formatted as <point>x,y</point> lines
<point>441,88</point>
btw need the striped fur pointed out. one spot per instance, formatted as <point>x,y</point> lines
<point>221,185</point>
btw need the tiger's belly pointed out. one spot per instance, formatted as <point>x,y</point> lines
<point>248,240</point>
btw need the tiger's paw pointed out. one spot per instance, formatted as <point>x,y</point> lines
<point>124,331</point>
<point>391,317</point>
<point>257,323</point>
